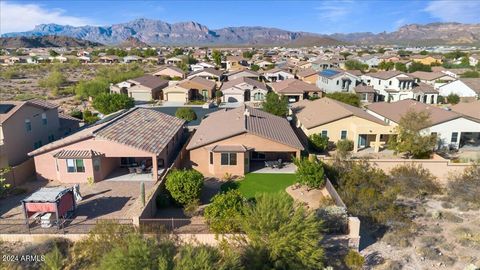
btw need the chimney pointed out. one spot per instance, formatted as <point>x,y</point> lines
<point>246,112</point>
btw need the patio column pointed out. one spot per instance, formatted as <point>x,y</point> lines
<point>355,143</point>
<point>154,168</point>
<point>377,143</point>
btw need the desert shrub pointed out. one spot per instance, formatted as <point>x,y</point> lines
<point>53,81</point>
<point>414,181</point>
<point>309,172</point>
<point>450,217</point>
<point>348,98</point>
<point>89,117</point>
<point>317,142</point>
<point>109,103</point>
<point>4,186</point>
<point>204,257</point>
<point>343,147</point>
<point>354,260</point>
<point>281,235</point>
<point>334,219</point>
<point>186,113</point>
<point>464,188</point>
<point>77,114</point>
<point>191,208</point>
<point>224,213</point>
<point>91,88</point>
<point>53,260</point>
<point>184,185</point>
<point>399,237</point>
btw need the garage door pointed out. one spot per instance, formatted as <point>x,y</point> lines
<point>141,96</point>
<point>176,97</point>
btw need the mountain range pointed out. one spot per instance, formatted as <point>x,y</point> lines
<point>156,32</point>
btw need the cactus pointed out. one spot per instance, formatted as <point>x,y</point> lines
<point>142,193</point>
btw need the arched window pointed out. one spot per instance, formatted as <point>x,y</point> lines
<point>258,96</point>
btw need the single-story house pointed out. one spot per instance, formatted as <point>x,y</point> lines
<point>453,129</point>
<point>296,90</point>
<point>243,73</point>
<point>466,88</point>
<point>308,75</point>
<point>432,78</point>
<point>234,141</point>
<point>337,121</point>
<point>277,74</point>
<point>145,88</point>
<point>468,109</point>
<point>137,141</point>
<point>208,73</point>
<point>243,89</point>
<point>170,72</point>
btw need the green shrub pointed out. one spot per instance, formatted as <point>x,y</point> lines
<point>414,180</point>
<point>53,81</point>
<point>224,212</point>
<point>184,185</point>
<point>453,99</point>
<point>53,260</point>
<point>354,260</point>
<point>309,172</point>
<point>109,103</point>
<point>348,98</point>
<point>186,113</point>
<point>344,147</point>
<point>317,142</point>
<point>464,188</point>
<point>334,219</point>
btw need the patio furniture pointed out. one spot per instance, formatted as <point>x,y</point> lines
<point>131,169</point>
<point>139,170</point>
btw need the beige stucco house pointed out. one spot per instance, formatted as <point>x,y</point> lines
<point>27,125</point>
<point>170,72</point>
<point>137,141</point>
<point>339,121</point>
<point>233,141</point>
<point>196,88</point>
<point>145,88</point>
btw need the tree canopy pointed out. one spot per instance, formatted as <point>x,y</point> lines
<point>108,103</point>
<point>184,185</point>
<point>275,104</point>
<point>349,98</point>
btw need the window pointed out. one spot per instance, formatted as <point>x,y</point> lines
<point>389,82</point>
<point>229,159</point>
<point>28,125</point>
<point>338,82</point>
<point>75,165</point>
<point>454,137</point>
<point>364,97</point>
<point>44,119</point>
<point>343,135</point>
<point>211,157</point>
<point>258,156</point>
<point>37,144</point>
<point>51,138</point>
<point>96,164</point>
<point>258,96</point>
<point>127,161</point>
<point>324,133</point>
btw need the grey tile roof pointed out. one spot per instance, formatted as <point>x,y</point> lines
<point>151,81</point>
<point>224,124</point>
<point>142,128</point>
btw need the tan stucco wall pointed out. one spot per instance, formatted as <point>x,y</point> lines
<point>310,79</point>
<point>200,158</point>
<point>18,142</point>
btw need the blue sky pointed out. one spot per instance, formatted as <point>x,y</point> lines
<point>311,16</point>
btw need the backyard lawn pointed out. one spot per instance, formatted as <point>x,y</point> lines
<point>265,183</point>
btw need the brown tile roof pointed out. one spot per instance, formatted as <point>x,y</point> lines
<point>306,72</point>
<point>172,68</point>
<point>212,71</point>
<point>294,86</point>
<point>254,73</point>
<point>395,110</point>
<point>151,81</point>
<point>224,124</point>
<point>325,110</point>
<point>429,76</point>
<point>424,88</point>
<point>385,75</point>
<point>470,109</point>
<point>141,128</point>
<point>197,83</point>
<point>249,81</point>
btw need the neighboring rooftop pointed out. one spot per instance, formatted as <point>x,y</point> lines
<point>224,124</point>
<point>150,81</point>
<point>294,86</point>
<point>249,81</point>
<point>469,109</point>
<point>325,110</point>
<point>8,108</point>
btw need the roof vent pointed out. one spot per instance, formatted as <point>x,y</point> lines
<point>246,112</point>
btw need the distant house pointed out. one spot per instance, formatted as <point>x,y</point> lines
<point>474,59</point>
<point>390,85</point>
<point>427,59</point>
<point>145,88</point>
<point>200,66</point>
<point>453,130</point>
<point>264,64</point>
<point>170,72</point>
<point>108,59</point>
<point>243,89</point>
<point>237,141</point>
<point>137,142</point>
<point>432,78</point>
<point>196,88</point>
<point>466,88</point>
<point>321,64</point>
<point>208,74</point>
<point>371,60</point>
<point>296,90</point>
<point>468,109</point>
<point>339,121</point>
<point>173,60</point>
<point>243,73</point>
<point>277,74</point>
<point>365,93</point>
<point>132,59</point>
<point>335,80</point>
<point>233,63</point>
<point>308,75</point>
<point>27,125</point>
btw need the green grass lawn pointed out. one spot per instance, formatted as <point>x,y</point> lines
<point>264,183</point>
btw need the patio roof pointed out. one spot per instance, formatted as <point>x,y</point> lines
<point>47,194</point>
<point>229,148</point>
<point>64,154</point>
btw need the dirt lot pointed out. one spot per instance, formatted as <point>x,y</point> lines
<point>443,238</point>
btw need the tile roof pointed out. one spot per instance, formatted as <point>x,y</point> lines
<point>294,86</point>
<point>254,73</point>
<point>212,71</point>
<point>428,76</point>
<point>395,110</point>
<point>306,72</point>
<point>197,83</point>
<point>470,109</point>
<point>325,110</point>
<point>424,88</point>
<point>249,81</point>
<point>170,67</point>
<point>473,83</point>
<point>385,75</point>
<point>150,81</point>
<point>8,108</point>
<point>141,128</point>
<point>224,124</point>
<point>228,148</point>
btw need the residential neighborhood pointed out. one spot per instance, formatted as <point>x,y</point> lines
<point>148,144</point>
